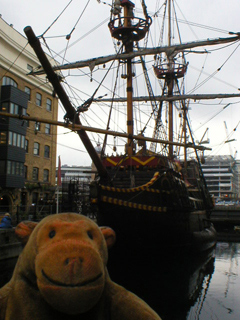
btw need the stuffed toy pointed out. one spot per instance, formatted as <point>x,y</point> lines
<point>61,274</point>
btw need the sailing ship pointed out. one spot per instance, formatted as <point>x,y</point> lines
<point>151,194</point>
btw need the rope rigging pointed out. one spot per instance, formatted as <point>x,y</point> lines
<point>110,112</point>
<point>56,19</point>
<point>68,36</point>
<point>215,72</point>
<point>87,103</point>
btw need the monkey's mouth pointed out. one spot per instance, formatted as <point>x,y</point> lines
<point>71,285</point>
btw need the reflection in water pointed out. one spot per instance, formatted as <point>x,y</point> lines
<point>170,284</point>
<point>179,286</point>
<point>6,270</point>
<point>223,299</point>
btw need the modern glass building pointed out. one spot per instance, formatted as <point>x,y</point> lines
<point>221,174</point>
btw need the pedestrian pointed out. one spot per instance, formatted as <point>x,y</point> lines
<point>6,221</point>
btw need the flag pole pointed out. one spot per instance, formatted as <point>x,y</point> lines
<point>59,182</point>
<point>57,198</point>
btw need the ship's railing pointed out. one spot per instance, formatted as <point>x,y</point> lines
<point>130,27</point>
<point>34,212</point>
<point>164,71</point>
<point>38,212</point>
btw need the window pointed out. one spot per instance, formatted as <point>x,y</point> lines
<point>2,167</point>
<point>9,81</point>
<point>28,91</point>
<point>19,140</point>
<point>14,139</point>
<point>10,138</point>
<point>49,104</point>
<point>17,168</point>
<point>13,171</point>
<point>35,174</point>
<point>38,99</point>
<point>46,151</point>
<point>9,167</point>
<point>35,197</point>
<point>47,128</point>
<point>23,142</point>
<point>21,170</point>
<point>45,175</point>
<point>25,172</point>
<point>14,109</point>
<point>36,149</point>
<point>26,145</point>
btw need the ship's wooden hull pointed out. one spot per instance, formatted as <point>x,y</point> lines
<point>161,213</point>
<point>144,230</point>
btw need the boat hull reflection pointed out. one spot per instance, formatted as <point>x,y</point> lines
<point>170,283</point>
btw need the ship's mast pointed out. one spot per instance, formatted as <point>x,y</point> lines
<point>170,72</point>
<point>128,7</point>
<point>170,84</point>
<point>128,29</point>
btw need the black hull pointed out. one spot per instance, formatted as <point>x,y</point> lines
<point>142,230</point>
<point>161,214</point>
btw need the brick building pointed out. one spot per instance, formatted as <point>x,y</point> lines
<point>38,141</point>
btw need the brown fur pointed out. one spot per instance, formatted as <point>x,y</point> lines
<point>61,274</point>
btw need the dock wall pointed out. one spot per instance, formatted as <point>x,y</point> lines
<point>10,247</point>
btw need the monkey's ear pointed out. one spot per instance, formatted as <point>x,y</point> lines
<point>109,235</point>
<point>23,231</point>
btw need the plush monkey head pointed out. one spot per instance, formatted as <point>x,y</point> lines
<point>65,258</point>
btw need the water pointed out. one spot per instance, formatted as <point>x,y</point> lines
<point>184,287</point>
<point>222,299</point>
<point>6,270</point>
<point>180,287</point>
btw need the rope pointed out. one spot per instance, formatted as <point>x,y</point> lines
<point>110,112</point>
<point>14,61</point>
<point>129,204</point>
<point>136,189</point>
<point>90,100</point>
<point>56,19</point>
<point>215,72</point>
<point>228,58</point>
<point>69,35</point>
<point>84,36</point>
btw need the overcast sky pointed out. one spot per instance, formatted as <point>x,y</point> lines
<point>208,19</point>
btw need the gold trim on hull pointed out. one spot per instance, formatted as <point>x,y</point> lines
<point>133,205</point>
<point>140,188</point>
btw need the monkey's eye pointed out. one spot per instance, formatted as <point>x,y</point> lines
<point>52,234</point>
<point>90,235</point>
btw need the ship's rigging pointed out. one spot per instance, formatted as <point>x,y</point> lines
<point>140,55</point>
<point>173,50</point>
<point>151,191</point>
